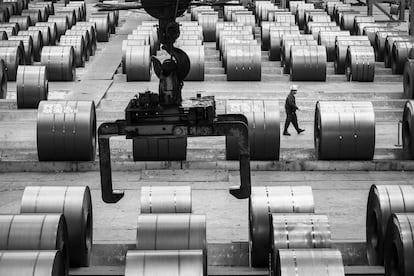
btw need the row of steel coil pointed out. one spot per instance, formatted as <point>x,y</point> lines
<point>286,235</point>
<point>54,231</point>
<point>46,41</point>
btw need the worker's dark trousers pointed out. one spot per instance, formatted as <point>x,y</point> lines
<point>291,118</point>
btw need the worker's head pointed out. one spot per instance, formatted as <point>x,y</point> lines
<point>293,89</point>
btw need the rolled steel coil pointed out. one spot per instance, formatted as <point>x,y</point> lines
<point>246,19</point>
<point>10,31</point>
<point>47,6</point>
<point>166,199</point>
<point>364,25</point>
<point>293,5</point>
<point>131,42</point>
<point>244,63</point>
<point>70,15</point>
<point>75,203</point>
<point>208,22</point>
<point>4,14</point>
<point>35,232</point>
<point>310,13</point>
<point>13,56</point>
<point>10,7</point>
<point>32,86</point>
<point>197,10</point>
<point>308,63</point>
<point>389,43</point>
<point>265,201</point>
<point>62,24</point>
<point>46,35</point>
<point>229,42</point>
<point>152,41</point>
<point>383,201</point>
<point>342,9</point>
<point>54,142</point>
<point>25,45</point>
<point>347,20</point>
<point>379,45</point>
<point>341,49</point>
<point>138,63</point>
<point>52,28</point>
<point>37,42</point>
<point>276,38</point>
<point>399,245</point>
<point>407,130</point>
<point>344,130</point>
<point>12,25</point>
<point>161,149</point>
<point>371,32</point>
<point>362,19</point>
<point>236,13</point>
<point>400,53</point>
<point>311,25</point>
<point>18,4</point>
<point>319,18</point>
<point>3,35</point>
<point>220,26</point>
<point>111,19</point>
<point>330,6</point>
<point>172,232</point>
<point>328,39</point>
<point>44,12</point>
<point>315,30</point>
<point>79,47</point>
<point>266,26</point>
<point>164,262</point>
<point>90,32</point>
<point>300,13</point>
<point>59,62</point>
<point>77,10</point>
<point>81,6</point>
<point>34,14</point>
<point>283,18</point>
<point>102,27</point>
<point>89,48</point>
<point>285,56</point>
<point>234,34</point>
<point>360,63</point>
<point>408,79</point>
<point>303,262</point>
<point>22,20</point>
<point>3,80</point>
<point>196,56</point>
<point>29,262</point>
<point>264,129</point>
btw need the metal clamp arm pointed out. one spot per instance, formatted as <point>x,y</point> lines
<point>240,130</point>
<point>105,131</point>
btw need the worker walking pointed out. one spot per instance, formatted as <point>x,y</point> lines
<point>290,108</point>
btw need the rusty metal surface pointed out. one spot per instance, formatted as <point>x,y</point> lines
<point>75,203</point>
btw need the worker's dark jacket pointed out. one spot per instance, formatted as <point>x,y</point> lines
<point>290,104</point>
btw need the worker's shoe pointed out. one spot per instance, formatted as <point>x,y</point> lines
<point>286,133</point>
<point>300,131</point>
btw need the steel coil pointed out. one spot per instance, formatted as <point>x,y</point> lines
<point>234,41</point>
<point>13,56</point>
<point>70,15</point>
<point>347,21</point>
<point>282,18</point>
<point>111,19</point>
<point>276,38</point>
<point>344,130</point>
<point>247,20</point>
<point>62,24</point>
<point>44,14</point>
<point>24,44</point>
<point>371,32</point>
<point>13,25</point>
<point>10,31</point>
<point>399,245</point>
<point>383,201</point>
<point>408,130</point>
<point>79,47</point>
<point>45,32</point>
<point>308,63</point>
<point>75,203</point>
<point>408,79</point>
<point>131,42</point>
<point>35,232</point>
<point>102,27</point>
<point>310,25</point>
<point>300,13</point>
<point>360,63</point>
<point>303,262</point>
<point>4,14</point>
<point>138,63</point>
<point>315,30</point>
<point>19,5</point>
<point>264,129</point>
<point>34,14</point>
<point>164,262</point>
<point>339,10</point>
<point>208,22</point>
<point>11,9</point>
<point>166,199</point>
<point>362,19</point>
<point>89,34</point>
<point>389,43</point>
<point>3,80</point>
<point>196,56</point>
<point>244,63</point>
<point>172,232</point>
<point>365,25</point>
<point>46,8</point>
<point>32,86</point>
<point>77,10</point>
<point>239,34</point>
<point>22,20</point>
<point>59,62</point>
<point>3,35</point>
<point>52,28</point>
<point>265,31</point>
<point>285,56</point>
<point>265,201</point>
<point>36,263</point>
<point>160,149</point>
<point>379,45</point>
<point>330,5</point>
<point>341,49</point>
<point>37,42</point>
<point>328,39</point>
<point>400,53</point>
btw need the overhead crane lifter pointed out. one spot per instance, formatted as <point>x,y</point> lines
<point>165,114</point>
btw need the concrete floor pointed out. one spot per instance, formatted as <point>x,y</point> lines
<point>340,188</point>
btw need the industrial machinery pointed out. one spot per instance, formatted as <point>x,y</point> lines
<point>165,114</point>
